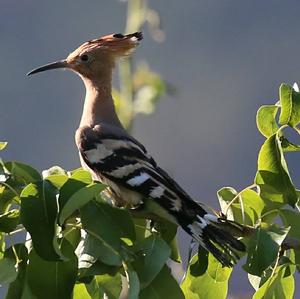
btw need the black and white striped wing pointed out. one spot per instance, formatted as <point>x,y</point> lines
<point>125,162</point>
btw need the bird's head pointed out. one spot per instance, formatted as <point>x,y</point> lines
<point>96,56</point>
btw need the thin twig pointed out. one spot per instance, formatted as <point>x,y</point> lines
<point>238,196</point>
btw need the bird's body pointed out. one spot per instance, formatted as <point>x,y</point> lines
<point>118,160</point>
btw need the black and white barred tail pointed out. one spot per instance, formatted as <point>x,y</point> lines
<point>215,235</point>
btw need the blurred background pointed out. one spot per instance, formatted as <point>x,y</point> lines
<point>220,59</point>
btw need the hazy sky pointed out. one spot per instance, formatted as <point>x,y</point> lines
<point>225,58</point>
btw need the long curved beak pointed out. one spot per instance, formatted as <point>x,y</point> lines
<point>54,65</point>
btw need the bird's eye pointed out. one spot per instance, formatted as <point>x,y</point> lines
<point>84,57</point>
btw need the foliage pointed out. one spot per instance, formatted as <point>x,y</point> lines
<point>86,247</point>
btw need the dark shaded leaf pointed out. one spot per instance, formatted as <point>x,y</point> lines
<point>153,253</point>
<point>163,286</point>
<point>108,224</point>
<point>38,215</point>
<point>48,280</point>
<point>9,221</point>
<point>23,172</point>
<point>16,288</point>
<point>79,199</point>
<point>263,249</point>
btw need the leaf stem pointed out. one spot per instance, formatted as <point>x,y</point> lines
<point>238,196</point>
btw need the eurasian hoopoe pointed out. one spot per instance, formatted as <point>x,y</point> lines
<point>118,160</point>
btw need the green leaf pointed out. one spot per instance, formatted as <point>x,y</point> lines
<point>153,253</point>
<point>163,286</point>
<point>50,280</point>
<point>54,170</point>
<point>290,105</point>
<point>3,145</point>
<point>277,286</point>
<point>111,285</point>
<point>273,176</point>
<point>266,120</point>
<point>291,219</point>
<point>16,288</point>
<point>9,220</point>
<point>8,267</point>
<point>38,215</point>
<point>249,212</point>
<point>79,179</point>
<point>79,199</point>
<point>263,249</point>
<point>200,283</point>
<point>92,249</point>
<point>108,224</point>
<point>289,146</point>
<point>23,172</point>
<point>80,292</point>
<point>133,283</point>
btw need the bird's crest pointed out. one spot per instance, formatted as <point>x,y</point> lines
<point>116,44</point>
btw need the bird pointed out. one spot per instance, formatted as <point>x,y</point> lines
<point>118,160</point>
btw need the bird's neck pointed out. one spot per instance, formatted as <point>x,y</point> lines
<point>99,105</point>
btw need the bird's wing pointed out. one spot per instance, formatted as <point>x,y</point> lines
<point>121,159</point>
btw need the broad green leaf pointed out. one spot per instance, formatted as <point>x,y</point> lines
<point>210,284</point>
<point>110,285</point>
<point>250,210</point>
<point>58,180</point>
<point>16,288</point>
<point>277,286</point>
<point>54,170</point>
<point>273,176</point>
<point>168,232</point>
<point>291,219</point>
<point>50,280</point>
<point>106,223</point>
<point>3,145</point>
<point>266,120</point>
<point>38,215</point>
<point>79,179</point>
<point>92,249</point>
<point>263,249</point>
<point>80,292</point>
<point>290,105</point>
<point>153,253</point>
<point>23,172</point>
<point>163,286</point>
<point>79,199</point>
<point>133,284</point>
<point>9,220</point>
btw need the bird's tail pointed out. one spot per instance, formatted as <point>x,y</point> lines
<point>217,235</point>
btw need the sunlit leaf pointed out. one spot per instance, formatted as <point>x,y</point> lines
<point>288,146</point>
<point>3,145</point>
<point>80,292</point>
<point>278,286</point>
<point>200,281</point>
<point>290,105</point>
<point>273,175</point>
<point>266,120</point>
<point>23,172</point>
